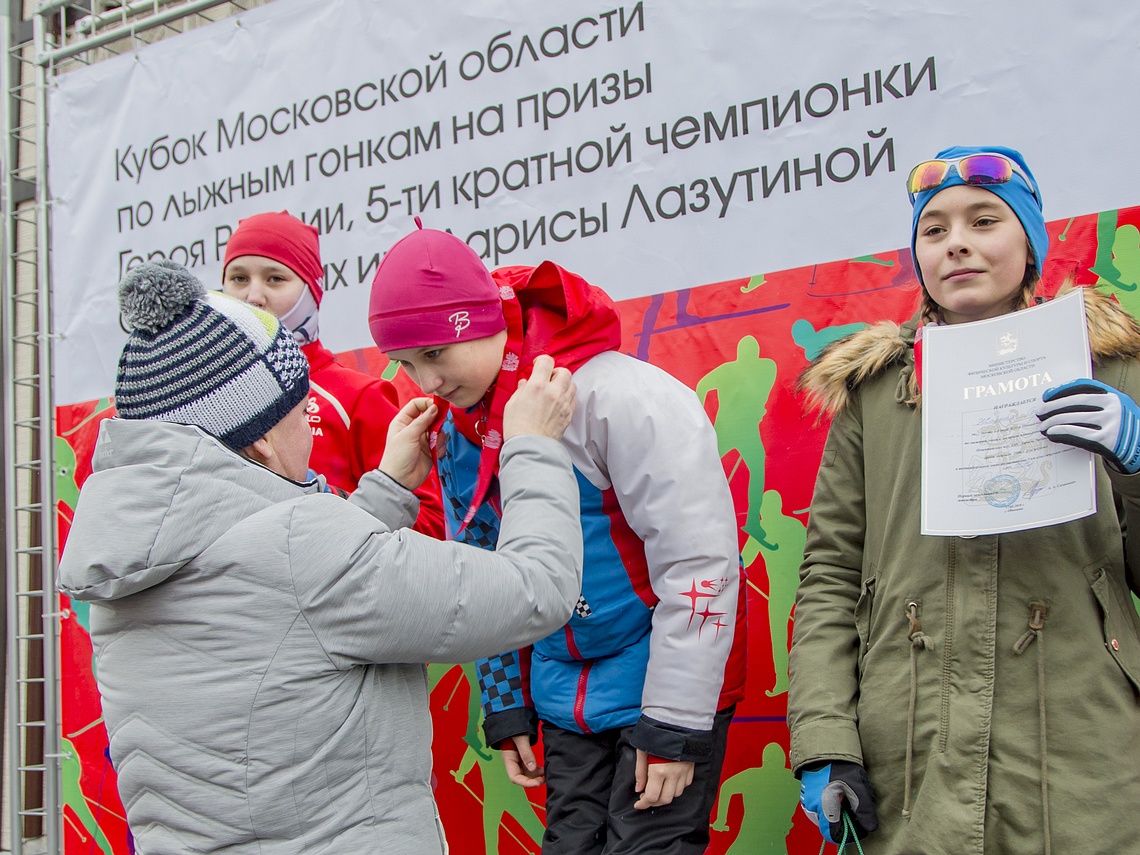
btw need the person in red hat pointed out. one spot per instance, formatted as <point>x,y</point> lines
<point>273,262</point>
<point>635,693</point>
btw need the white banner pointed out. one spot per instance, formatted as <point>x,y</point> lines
<point>650,147</point>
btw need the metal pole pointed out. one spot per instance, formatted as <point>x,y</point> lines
<point>13,701</point>
<point>46,7</point>
<point>127,30</point>
<point>53,810</point>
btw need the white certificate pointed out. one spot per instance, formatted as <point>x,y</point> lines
<point>986,468</point>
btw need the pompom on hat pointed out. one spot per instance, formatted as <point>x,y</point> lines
<point>432,289</point>
<point>1023,200</point>
<point>201,358</point>
<point>284,238</point>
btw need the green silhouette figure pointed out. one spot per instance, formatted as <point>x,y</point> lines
<point>472,737</point>
<point>500,798</point>
<point>1118,267</point>
<point>770,792</point>
<point>783,549</point>
<point>813,341</point>
<point>71,771</point>
<point>742,388</point>
<point>66,490</point>
<point>754,282</point>
<point>437,672</point>
<point>1103,265</point>
<point>870,259</point>
<point>1123,278</point>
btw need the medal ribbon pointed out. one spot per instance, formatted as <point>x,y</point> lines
<point>506,383</point>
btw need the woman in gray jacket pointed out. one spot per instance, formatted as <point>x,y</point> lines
<point>259,643</point>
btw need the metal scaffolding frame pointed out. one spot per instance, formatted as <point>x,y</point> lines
<point>31,614</point>
<point>42,39</point>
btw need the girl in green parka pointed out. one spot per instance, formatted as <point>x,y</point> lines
<point>969,694</point>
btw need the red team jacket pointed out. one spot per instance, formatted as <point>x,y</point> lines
<point>349,413</point>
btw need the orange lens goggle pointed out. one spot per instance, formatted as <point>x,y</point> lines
<point>975,169</point>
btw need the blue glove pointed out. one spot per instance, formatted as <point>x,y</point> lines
<point>826,792</point>
<point>1090,415</point>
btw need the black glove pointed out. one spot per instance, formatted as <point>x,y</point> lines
<point>827,791</point>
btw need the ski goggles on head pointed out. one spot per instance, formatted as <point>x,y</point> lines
<point>978,170</point>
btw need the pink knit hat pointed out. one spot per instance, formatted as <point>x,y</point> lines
<point>281,236</point>
<point>431,288</point>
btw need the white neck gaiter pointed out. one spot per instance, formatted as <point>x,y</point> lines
<point>303,320</point>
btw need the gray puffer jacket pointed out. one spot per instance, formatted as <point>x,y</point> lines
<point>259,647</point>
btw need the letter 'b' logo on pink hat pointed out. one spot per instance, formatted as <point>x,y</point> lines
<point>429,284</point>
<point>461,320</point>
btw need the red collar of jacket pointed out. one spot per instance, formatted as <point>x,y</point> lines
<point>318,355</point>
<point>562,316</point>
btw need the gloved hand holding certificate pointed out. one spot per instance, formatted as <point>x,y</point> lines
<point>986,468</point>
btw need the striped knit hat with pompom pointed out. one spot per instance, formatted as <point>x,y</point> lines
<point>202,358</point>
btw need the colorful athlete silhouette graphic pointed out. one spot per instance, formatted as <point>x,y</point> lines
<point>500,798</point>
<point>770,793</point>
<point>70,773</point>
<point>1118,262</point>
<point>473,737</point>
<point>67,496</point>
<point>783,550</point>
<point>66,490</point>
<point>813,341</point>
<point>742,387</point>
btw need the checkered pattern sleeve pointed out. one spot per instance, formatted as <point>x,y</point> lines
<point>500,682</point>
<point>507,709</point>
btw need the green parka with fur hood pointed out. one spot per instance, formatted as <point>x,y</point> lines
<point>1008,665</point>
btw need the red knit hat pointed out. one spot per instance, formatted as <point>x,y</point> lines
<point>281,236</point>
<point>431,288</point>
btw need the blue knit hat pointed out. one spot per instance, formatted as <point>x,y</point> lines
<point>1014,193</point>
<point>202,358</point>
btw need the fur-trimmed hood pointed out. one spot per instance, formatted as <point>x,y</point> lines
<point>844,365</point>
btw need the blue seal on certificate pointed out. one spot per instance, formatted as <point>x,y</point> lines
<point>1001,491</point>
